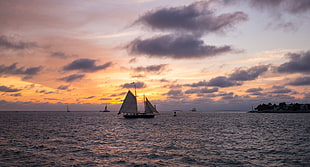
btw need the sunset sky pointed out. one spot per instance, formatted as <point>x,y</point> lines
<point>212,55</point>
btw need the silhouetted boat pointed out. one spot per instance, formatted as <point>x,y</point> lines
<point>68,108</point>
<point>129,108</point>
<point>105,109</point>
<point>193,110</point>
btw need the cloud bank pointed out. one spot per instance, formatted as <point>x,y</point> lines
<point>14,70</point>
<point>196,18</point>
<point>234,79</point>
<point>175,46</point>
<point>8,89</point>
<point>299,63</point>
<point>152,69</point>
<point>133,84</point>
<point>86,65</point>
<point>301,81</point>
<point>72,77</point>
<point>249,74</point>
<point>16,45</point>
<point>186,24</point>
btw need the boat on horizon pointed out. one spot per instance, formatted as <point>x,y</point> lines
<point>129,108</point>
<point>105,109</point>
<point>68,108</point>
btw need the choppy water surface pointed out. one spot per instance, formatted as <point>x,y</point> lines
<point>189,139</point>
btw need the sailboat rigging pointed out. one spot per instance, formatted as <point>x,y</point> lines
<point>129,108</point>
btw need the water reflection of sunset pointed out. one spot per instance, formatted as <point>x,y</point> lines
<point>226,55</point>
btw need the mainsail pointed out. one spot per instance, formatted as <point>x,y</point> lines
<point>129,108</point>
<point>130,104</point>
<point>149,108</point>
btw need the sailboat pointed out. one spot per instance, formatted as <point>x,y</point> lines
<point>129,108</point>
<point>105,109</point>
<point>68,108</point>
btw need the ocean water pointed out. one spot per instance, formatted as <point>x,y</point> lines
<point>189,139</point>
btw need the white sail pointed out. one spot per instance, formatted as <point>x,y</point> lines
<point>149,108</point>
<point>129,105</point>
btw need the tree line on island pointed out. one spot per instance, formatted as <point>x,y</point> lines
<point>282,107</point>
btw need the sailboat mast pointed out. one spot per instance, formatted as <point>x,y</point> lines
<point>135,89</point>
<point>144,101</point>
<point>134,84</point>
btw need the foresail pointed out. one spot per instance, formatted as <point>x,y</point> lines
<point>149,108</point>
<point>129,105</point>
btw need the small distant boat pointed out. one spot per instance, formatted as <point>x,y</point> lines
<point>105,109</point>
<point>68,108</point>
<point>193,110</point>
<point>129,108</point>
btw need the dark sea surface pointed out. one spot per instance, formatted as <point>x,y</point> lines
<point>189,139</point>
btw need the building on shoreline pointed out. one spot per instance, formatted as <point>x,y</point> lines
<point>282,108</point>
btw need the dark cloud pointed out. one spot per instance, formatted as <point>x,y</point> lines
<point>234,79</point>
<point>226,96</point>
<point>44,91</point>
<point>299,63</point>
<point>206,90</point>
<point>188,24</point>
<point>151,68</point>
<point>63,87</point>
<point>131,85</point>
<point>291,6</point>
<point>72,77</point>
<point>163,80</point>
<point>250,74</point>
<point>192,91</point>
<point>302,81</point>
<point>254,90</point>
<point>62,55</point>
<point>105,99</point>
<point>120,94</point>
<point>175,94</point>
<point>12,69</point>
<point>198,84</point>
<point>16,94</point>
<point>202,91</point>
<point>299,6</point>
<point>222,81</point>
<point>280,90</point>
<point>176,46</point>
<point>138,76</point>
<point>8,89</point>
<point>90,97</point>
<point>10,44</point>
<point>197,18</point>
<point>257,94</point>
<point>86,65</point>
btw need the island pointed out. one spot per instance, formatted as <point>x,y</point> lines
<point>282,108</point>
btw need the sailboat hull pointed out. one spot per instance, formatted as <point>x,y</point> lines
<point>139,116</point>
<point>105,111</point>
